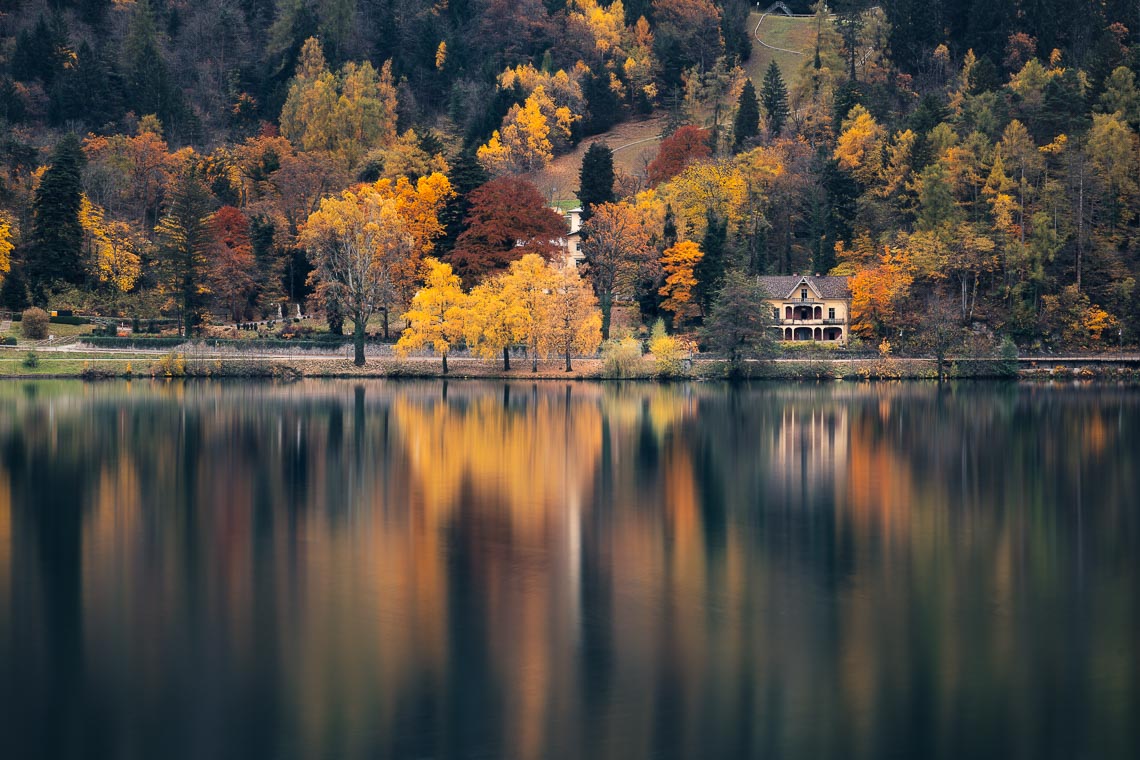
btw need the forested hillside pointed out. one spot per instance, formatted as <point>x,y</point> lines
<point>967,163</point>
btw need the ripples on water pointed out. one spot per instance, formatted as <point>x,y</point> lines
<point>331,569</point>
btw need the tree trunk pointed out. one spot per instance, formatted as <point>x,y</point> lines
<point>385,323</point>
<point>534,358</point>
<point>568,367</point>
<point>445,363</point>
<point>605,301</point>
<point>506,358</point>
<point>358,340</point>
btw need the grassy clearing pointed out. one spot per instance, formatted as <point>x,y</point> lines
<point>12,363</point>
<point>634,144</point>
<point>782,32</point>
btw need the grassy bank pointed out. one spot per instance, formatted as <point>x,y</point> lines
<point>95,366</point>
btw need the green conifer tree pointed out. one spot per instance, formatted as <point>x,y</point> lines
<point>184,239</point>
<point>709,271</point>
<point>55,254</point>
<point>774,98</point>
<point>747,123</point>
<point>596,178</point>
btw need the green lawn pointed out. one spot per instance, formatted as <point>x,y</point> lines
<point>69,363</point>
<point>782,32</point>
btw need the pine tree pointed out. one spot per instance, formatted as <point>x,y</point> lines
<point>596,177</point>
<point>602,104</point>
<point>466,174</point>
<point>709,271</point>
<point>184,239</point>
<point>774,97</point>
<point>56,247</point>
<point>747,123</point>
<point>735,327</point>
<point>14,291</point>
<point>147,82</point>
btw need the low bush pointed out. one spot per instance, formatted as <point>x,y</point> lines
<point>668,352</point>
<point>8,341</point>
<point>32,360</point>
<point>35,324</point>
<point>170,365</point>
<point>620,358</point>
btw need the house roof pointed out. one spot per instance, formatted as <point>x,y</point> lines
<point>784,286</point>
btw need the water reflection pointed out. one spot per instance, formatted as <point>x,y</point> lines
<point>332,569</point>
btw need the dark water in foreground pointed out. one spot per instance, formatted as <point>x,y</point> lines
<point>481,570</point>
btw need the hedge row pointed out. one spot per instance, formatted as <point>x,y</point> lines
<point>106,341</point>
<point>69,320</point>
<point>99,341</point>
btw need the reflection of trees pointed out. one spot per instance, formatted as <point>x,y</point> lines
<point>619,570</point>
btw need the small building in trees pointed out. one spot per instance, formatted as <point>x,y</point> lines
<point>809,307</point>
<point>571,244</point>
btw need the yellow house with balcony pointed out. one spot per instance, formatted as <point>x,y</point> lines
<point>809,307</point>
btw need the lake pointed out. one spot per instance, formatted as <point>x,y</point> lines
<point>338,569</point>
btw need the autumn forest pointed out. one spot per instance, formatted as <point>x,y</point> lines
<point>972,166</point>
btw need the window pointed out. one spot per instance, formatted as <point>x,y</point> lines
<point>831,313</point>
<point>776,314</point>
<point>803,294</point>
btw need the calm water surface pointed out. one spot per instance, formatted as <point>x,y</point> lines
<point>480,570</point>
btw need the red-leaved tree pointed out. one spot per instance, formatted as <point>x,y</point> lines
<point>231,262</point>
<point>677,151</point>
<point>508,219</point>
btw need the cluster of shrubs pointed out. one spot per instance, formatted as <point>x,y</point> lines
<point>34,324</point>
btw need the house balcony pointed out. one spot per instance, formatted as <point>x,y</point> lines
<point>812,322</point>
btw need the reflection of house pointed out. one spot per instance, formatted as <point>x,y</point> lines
<point>809,452</point>
<point>807,307</point>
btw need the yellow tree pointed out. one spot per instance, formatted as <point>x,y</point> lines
<point>6,245</point>
<point>437,311</point>
<point>308,118</point>
<point>494,320</point>
<point>879,295</point>
<point>347,114</point>
<point>616,246</point>
<point>524,144</point>
<point>859,148</point>
<point>718,187</point>
<point>679,263</point>
<point>357,241</point>
<point>528,284</point>
<point>419,205</point>
<point>571,321</point>
<point>113,247</point>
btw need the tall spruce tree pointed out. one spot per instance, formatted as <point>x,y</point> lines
<point>747,123</point>
<point>596,178</point>
<point>184,238</point>
<point>466,174</point>
<point>709,271</point>
<point>774,98</point>
<point>55,253</point>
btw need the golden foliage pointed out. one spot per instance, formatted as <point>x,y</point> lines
<point>360,245</point>
<point>435,318</point>
<point>346,113</point>
<point>6,244</point>
<point>114,247</point>
<point>859,148</point>
<point>570,320</point>
<point>679,263</point>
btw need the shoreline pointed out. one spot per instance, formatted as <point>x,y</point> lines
<point>170,366</point>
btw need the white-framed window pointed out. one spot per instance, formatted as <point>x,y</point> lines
<point>831,313</point>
